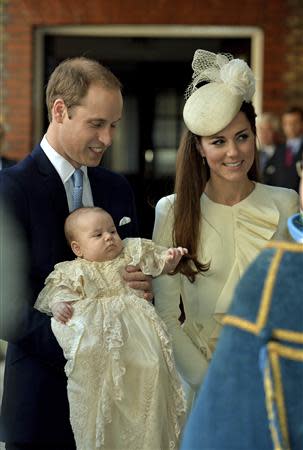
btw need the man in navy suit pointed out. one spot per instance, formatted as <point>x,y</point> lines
<point>85,106</point>
<point>281,169</point>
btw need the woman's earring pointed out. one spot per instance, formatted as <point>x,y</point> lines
<point>203,160</point>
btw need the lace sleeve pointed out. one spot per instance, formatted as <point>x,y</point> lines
<point>153,258</point>
<point>145,253</point>
<point>64,284</point>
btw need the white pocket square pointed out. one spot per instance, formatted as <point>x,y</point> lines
<point>124,221</point>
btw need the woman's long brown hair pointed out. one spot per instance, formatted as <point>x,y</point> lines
<point>192,174</point>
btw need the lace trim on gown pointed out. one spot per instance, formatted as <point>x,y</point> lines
<point>114,344</point>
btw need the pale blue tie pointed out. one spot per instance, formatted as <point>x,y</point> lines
<point>77,179</point>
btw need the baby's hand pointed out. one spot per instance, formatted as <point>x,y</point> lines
<point>173,257</point>
<point>62,311</point>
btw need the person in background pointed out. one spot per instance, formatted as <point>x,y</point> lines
<point>254,384</point>
<point>84,104</point>
<point>4,162</point>
<point>268,137</point>
<point>219,211</point>
<point>282,169</point>
<point>13,284</point>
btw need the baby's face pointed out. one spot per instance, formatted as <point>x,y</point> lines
<point>97,237</point>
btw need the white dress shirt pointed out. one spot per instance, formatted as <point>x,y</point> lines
<point>65,171</point>
<point>294,144</point>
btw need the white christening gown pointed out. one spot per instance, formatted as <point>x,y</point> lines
<point>123,388</point>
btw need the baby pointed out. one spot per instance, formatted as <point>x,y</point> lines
<point>123,388</point>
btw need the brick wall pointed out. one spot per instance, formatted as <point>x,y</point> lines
<point>293,76</point>
<point>281,20</point>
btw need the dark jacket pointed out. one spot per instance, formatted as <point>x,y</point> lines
<point>35,407</point>
<point>276,173</point>
<point>5,163</point>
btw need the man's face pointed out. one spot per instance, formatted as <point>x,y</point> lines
<point>292,125</point>
<point>86,131</point>
<point>266,133</point>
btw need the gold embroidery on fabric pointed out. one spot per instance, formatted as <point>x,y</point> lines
<point>268,288</point>
<point>264,304</point>
<point>279,394</point>
<point>283,351</point>
<point>269,398</point>
<point>274,390</point>
<point>290,246</point>
<point>288,335</point>
<point>244,324</point>
<point>274,386</point>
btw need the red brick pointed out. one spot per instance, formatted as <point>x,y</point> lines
<point>280,20</point>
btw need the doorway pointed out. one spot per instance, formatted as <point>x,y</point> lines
<point>154,71</point>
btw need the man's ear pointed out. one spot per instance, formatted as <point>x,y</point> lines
<point>59,110</point>
<point>76,248</point>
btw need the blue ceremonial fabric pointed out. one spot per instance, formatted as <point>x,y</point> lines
<point>252,396</point>
<point>77,178</point>
<point>295,227</point>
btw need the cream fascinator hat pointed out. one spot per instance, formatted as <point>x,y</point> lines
<point>211,107</point>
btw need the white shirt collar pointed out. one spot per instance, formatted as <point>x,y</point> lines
<point>294,144</point>
<point>62,166</point>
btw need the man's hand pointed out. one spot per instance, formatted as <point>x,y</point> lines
<point>137,280</point>
<point>62,311</point>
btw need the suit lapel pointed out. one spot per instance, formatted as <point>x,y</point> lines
<point>97,187</point>
<point>52,183</point>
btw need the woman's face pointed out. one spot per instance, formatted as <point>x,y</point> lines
<point>230,153</point>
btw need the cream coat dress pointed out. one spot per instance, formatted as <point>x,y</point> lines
<point>231,238</point>
<point>123,389</point>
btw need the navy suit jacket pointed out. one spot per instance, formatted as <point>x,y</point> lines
<point>5,163</point>
<point>35,407</point>
<point>276,173</point>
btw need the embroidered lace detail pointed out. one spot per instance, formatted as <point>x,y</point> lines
<point>112,389</point>
<point>120,367</point>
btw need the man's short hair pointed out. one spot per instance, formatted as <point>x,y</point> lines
<point>72,78</point>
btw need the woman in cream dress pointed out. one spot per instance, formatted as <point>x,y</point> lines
<point>219,212</point>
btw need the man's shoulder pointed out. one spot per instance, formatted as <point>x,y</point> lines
<point>106,174</point>
<point>111,181</point>
<point>271,283</point>
<point>24,164</point>
<point>7,162</point>
<point>281,251</point>
<point>21,174</point>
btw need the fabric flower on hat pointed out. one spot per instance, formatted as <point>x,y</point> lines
<point>239,78</point>
<point>220,84</point>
